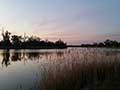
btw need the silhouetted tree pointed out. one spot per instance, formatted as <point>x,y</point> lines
<point>115,43</point>
<point>108,43</point>
<point>16,41</point>
<point>33,42</point>
<point>6,39</point>
<point>111,43</point>
<point>95,44</point>
<point>33,39</point>
<point>101,44</point>
<point>59,42</point>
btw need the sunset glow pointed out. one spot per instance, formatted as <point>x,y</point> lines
<point>74,21</point>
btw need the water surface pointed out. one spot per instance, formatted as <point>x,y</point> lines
<point>29,69</point>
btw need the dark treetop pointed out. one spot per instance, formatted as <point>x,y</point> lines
<point>107,43</point>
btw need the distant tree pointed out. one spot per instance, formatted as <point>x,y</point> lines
<point>111,43</point>
<point>33,39</point>
<point>33,42</point>
<point>108,43</point>
<point>119,44</point>
<point>101,44</point>
<point>95,44</point>
<point>60,42</point>
<point>16,41</point>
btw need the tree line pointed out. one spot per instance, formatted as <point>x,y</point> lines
<point>10,41</point>
<point>107,43</point>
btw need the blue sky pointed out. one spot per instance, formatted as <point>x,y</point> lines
<point>74,21</point>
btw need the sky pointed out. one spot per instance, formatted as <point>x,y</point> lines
<point>74,21</point>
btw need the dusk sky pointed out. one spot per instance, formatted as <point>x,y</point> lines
<point>74,21</point>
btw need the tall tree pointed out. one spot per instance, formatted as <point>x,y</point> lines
<point>6,39</point>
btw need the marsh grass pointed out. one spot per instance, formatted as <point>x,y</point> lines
<point>77,69</point>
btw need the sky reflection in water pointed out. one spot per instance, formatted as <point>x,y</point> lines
<point>24,69</point>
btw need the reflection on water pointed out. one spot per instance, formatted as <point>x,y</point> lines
<point>57,69</point>
<point>6,60</point>
<point>21,55</point>
<point>19,69</point>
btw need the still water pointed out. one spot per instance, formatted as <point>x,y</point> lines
<point>28,69</point>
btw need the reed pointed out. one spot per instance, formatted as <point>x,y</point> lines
<point>78,69</point>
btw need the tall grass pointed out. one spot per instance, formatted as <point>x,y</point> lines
<point>77,69</point>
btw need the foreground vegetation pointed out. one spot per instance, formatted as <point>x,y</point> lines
<point>91,69</point>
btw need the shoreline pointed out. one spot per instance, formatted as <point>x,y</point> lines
<point>58,48</point>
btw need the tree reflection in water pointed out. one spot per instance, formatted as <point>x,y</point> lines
<point>19,55</point>
<point>33,55</point>
<point>6,60</point>
<point>16,56</point>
